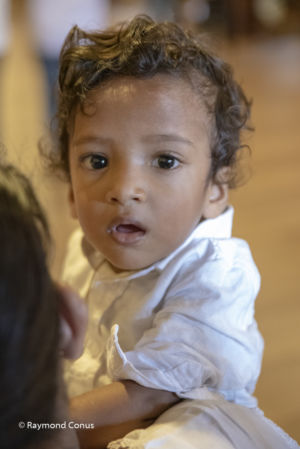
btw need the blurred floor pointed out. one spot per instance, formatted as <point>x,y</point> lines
<point>268,215</point>
<point>267,207</point>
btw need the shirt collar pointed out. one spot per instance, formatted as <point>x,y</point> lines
<point>214,228</point>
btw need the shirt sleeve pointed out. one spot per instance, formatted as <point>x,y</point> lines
<point>205,337</point>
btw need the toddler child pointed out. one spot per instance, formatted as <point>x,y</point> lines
<point>149,128</point>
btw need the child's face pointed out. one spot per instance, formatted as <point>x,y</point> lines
<point>140,163</point>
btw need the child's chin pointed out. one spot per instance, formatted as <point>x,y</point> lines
<point>128,264</point>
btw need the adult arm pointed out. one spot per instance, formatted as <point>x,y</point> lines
<point>116,409</point>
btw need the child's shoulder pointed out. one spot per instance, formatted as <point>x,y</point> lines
<point>215,256</point>
<point>214,263</point>
<point>223,274</point>
<point>211,244</point>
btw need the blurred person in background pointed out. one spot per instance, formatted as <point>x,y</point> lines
<point>49,24</point>
<point>4,36</point>
<point>4,26</point>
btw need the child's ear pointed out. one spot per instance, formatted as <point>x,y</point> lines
<point>217,196</point>
<point>72,204</point>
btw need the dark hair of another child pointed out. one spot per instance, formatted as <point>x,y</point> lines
<point>143,48</point>
<point>29,328</point>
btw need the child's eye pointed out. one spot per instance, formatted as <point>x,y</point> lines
<point>94,161</point>
<point>166,161</point>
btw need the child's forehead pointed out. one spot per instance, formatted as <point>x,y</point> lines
<point>160,87</point>
<point>137,108</point>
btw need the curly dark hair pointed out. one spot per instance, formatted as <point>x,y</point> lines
<point>143,48</point>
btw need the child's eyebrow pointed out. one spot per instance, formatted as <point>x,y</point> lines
<point>91,139</point>
<point>156,138</point>
<point>151,138</point>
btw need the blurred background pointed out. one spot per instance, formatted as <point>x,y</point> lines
<point>261,39</point>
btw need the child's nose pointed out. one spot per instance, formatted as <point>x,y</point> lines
<point>126,189</point>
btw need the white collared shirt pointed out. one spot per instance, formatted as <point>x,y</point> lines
<point>185,324</point>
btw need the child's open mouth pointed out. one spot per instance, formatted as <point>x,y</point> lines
<point>126,232</point>
<point>128,228</point>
